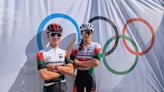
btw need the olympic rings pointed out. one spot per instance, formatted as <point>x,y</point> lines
<point>114,27</point>
<point>152,32</point>
<point>52,16</point>
<point>104,59</point>
<point>124,42</point>
<point>116,38</point>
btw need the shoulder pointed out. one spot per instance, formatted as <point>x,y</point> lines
<point>65,52</point>
<point>40,55</point>
<point>62,50</point>
<point>96,44</point>
<point>42,52</point>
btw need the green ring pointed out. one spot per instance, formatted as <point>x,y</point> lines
<point>105,62</point>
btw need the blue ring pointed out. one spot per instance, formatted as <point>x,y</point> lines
<point>52,16</point>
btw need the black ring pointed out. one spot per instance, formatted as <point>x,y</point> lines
<point>114,27</point>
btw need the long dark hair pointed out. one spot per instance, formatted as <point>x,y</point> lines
<point>81,45</point>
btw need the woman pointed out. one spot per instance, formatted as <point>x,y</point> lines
<point>54,62</point>
<point>86,56</point>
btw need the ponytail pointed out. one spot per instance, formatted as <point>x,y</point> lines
<point>81,45</point>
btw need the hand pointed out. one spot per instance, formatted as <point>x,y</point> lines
<point>52,67</point>
<point>76,61</point>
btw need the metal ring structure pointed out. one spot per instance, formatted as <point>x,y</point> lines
<point>114,27</point>
<point>105,61</point>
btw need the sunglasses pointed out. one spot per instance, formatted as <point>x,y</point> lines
<point>86,32</point>
<point>52,34</point>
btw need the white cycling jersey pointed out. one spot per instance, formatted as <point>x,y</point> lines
<point>51,55</point>
<point>91,51</point>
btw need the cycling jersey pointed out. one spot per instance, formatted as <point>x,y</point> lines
<point>91,51</point>
<point>55,56</point>
<point>51,55</point>
<point>84,78</point>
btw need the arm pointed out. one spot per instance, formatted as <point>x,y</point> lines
<point>68,69</point>
<point>88,64</point>
<point>45,74</point>
<point>48,75</point>
<point>93,62</point>
<point>80,67</point>
<point>63,69</point>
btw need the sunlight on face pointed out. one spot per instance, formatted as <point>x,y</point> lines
<point>54,38</point>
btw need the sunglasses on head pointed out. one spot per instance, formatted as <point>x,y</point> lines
<point>52,34</point>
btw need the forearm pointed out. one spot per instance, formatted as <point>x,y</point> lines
<point>53,75</point>
<point>81,68</point>
<point>48,75</point>
<point>68,69</point>
<point>89,63</point>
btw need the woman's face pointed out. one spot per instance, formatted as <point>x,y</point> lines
<point>86,35</point>
<point>54,38</point>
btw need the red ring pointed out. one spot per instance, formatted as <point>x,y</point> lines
<point>152,32</point>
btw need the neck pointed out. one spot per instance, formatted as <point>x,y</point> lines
<point>86,42</point>
<point>53,46</point>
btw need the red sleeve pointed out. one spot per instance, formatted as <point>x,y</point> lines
<point>67,54</point>
<point>67,58</point>
<point>40,60</point>
<point>97,51</point>
<point>74,52</point>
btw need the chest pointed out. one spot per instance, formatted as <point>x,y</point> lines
<point>55,57</point>
<point>86,53</point>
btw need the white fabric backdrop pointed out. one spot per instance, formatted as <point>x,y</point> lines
<point>20,21</point>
